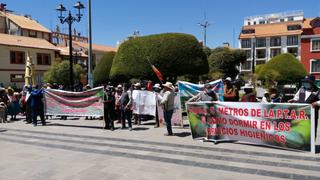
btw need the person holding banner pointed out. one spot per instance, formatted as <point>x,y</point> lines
<point>310,94</point>
<point>167,101</point>
<point>37,105</point>
<point>157,89</point>
<point>126,103</point>
<point>109,108</point>
<point>206,95</point>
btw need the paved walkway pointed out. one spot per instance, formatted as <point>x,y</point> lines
<point>80,149</point>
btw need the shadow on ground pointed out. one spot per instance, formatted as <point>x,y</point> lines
<point>77,126</point>
<point>182,134</point>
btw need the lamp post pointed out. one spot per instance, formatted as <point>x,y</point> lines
<point>205,25</point>
<point>69,20</point>
<point>253,39</point>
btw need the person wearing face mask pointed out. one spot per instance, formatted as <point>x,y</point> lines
<point>309,94</point>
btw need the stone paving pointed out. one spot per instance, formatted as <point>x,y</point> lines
<point>81,149</point>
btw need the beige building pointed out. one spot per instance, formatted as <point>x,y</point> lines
<point>13,55</point>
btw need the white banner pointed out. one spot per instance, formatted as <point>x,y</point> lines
<point>144,102</point>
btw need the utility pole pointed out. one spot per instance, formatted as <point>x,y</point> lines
<point>90,78</point>
<point>204,25</point>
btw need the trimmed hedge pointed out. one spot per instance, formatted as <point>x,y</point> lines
<point>102,70</point>
<point>284,69</point>
<point>173,54</point>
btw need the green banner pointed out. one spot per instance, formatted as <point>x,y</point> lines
<point>65,103</point>
<point>281,125</point>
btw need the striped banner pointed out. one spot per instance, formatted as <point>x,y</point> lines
<point>65,103</point>
<point>187,90</point>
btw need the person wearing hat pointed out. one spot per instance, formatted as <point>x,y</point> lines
<point>117,96</point>
<point>230,92</point>
<point>266,97</point>
<point>167,101</point>
<point>206,95</point>
<point>137,117</point>
<point>249,95</point>
<point>157,90</point>
<point>310,94</point>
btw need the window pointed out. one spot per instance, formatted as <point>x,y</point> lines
<point>258,62</point>
<point>275,41</point>
<point>17,77</point>
<point>261,53</point>
<point>293,51</point>
<point>247,31</point>
<point>292,40</point>
<point>293,27</point>
<point>248,54</point>
<point>246,66</point>
<point>315,65</point>
<point>262,22</point>
<point>249,23</point>
<point>32,34</point>
<point>275,52</point>
<point>315,44</point>
<point>290,18</point>
<point>246,43</point>
<point>254,22</point>
<point>261,42</point>
<point>17,57</point>
<point>281,20</point>
<point>43,59</point>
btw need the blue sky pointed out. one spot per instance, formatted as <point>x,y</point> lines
<point>114,20</point>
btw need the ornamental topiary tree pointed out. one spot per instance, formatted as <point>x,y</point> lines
<point>102,70</point>
<point>284,69</point>
<point>59,73</point>
<point>173,54</point>
<point>223,62</point>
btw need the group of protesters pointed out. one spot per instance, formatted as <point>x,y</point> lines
<point>118,104</point>
<point>118,100</point>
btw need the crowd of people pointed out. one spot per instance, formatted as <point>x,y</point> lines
<point>118,100</point>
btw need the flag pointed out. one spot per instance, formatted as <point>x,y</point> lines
<point>158,73</point>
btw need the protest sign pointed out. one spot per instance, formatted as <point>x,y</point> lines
<point>187,90</point>
<point>176,119</point>
<point>144,102</point>
<point>281,125</point>
<point>65,103</point>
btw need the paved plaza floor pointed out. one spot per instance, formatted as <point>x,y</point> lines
<point>81,150</point>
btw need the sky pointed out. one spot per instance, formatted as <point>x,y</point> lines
<point>114,21</point>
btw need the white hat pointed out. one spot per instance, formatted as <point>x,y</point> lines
<point>228,79</point>
<point>157,86</point>
<point>137,84</point>
<point>168,85</point>
<point>119,86</point>
<point>266,92</point>
<point>247,86</point>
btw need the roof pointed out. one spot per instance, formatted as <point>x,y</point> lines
<point>306,23</point>
<point>21,41</point>
<point>274,29</point>
<point>25,22</point>
<point>95,47</point>
<point>65,52</point>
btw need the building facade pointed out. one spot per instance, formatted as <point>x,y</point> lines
<point>14,51</point>
<point>310,46</point>
<point>266,36</point>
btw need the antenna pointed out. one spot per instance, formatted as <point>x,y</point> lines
<point>204,25</point>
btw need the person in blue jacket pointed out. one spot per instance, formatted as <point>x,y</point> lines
<point>37,105</point>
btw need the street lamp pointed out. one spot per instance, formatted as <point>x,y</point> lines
<point>253,39</point>
<point>69,20</point>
